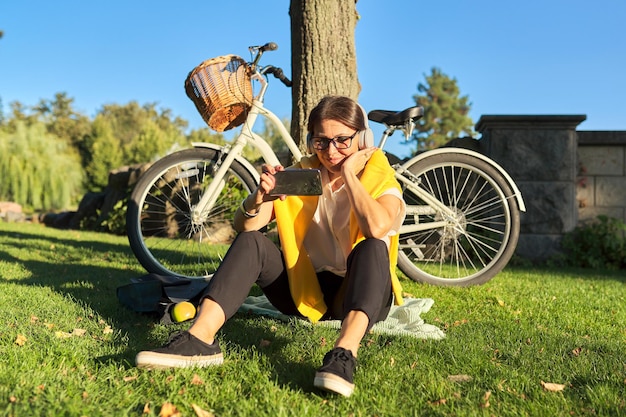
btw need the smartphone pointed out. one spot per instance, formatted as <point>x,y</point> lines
<point>298,182</point>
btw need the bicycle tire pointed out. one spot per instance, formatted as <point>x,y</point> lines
<point>161,231</point>
<point>476,242</point>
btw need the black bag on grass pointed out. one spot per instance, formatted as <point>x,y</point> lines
<point>156,294</point>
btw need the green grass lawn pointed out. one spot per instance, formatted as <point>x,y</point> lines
<point>531,342</point>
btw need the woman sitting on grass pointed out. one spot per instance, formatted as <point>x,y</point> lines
<point>338,250</point>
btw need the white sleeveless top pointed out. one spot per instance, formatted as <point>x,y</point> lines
<point>328,239</point>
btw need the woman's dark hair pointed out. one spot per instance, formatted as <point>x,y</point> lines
<point>339,108</point>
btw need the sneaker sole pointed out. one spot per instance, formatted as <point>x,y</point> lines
<point>333,383</point>
<point>154,360</point>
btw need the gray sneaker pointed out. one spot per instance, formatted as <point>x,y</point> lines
<point>337,372</point>
<point>182,351</point>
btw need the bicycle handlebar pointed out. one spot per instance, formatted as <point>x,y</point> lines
<point>270,46</point>
<point>269,69</point>
<point>278,73</point>
<point>258,50</point>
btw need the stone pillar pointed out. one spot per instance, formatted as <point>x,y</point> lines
<point>539,152</point>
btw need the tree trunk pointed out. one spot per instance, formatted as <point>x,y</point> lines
<point>323,56</point>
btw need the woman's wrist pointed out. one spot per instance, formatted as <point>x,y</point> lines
<point>246,213</point>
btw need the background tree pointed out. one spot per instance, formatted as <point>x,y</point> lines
<point>126,135</point>
<point>19,113</point>
<point>119,135</point>
<point>323,56</point>
<point>132,122</point>
<point>38,169</point>
<point>62,120</point>
<point>445,112</point>
<point>104,153</point>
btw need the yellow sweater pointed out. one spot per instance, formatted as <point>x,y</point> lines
<point>293,217</point>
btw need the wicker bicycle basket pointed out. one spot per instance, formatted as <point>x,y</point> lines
<point>221,90</point>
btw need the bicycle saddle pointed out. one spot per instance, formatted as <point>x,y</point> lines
<point>396,118</point>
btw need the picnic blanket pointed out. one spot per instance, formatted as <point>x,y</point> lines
<point>404,320</point>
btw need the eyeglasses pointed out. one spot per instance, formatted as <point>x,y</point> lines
<point>340,142</point>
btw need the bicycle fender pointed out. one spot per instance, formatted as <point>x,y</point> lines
<point>244,162</point>
<point>516,192</point>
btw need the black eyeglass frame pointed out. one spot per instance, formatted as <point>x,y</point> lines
<point>338,142</point>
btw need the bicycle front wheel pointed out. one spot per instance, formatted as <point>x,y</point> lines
<point>165,233</point>
<point>473,232</point>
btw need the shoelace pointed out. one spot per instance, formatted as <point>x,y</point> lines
<point>177,338</point>
<point>343,357</point>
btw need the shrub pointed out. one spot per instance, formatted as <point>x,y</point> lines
<point>597,244</point>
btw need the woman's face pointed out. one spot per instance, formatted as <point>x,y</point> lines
<point>342,135</point>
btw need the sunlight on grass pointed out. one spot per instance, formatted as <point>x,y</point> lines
<point>13,271</point>
<point>68,346</point>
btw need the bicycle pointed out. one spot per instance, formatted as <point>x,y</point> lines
<point>463,209</point>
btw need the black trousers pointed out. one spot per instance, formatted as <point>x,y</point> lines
<point>255,259</point>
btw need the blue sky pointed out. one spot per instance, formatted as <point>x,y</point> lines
<point>532,57</point>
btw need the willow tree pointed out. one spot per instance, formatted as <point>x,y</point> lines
<point>38,169</point>
<point>323,56</point>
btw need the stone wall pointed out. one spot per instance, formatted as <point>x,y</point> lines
<point>540,154</point>
<point>601,183</point>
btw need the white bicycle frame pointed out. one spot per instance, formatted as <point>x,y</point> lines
<point>234,150</point>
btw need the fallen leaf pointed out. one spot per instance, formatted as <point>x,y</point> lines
<point>485,403</point>
<point>440,401</point>
<point>76,332</point>
<point>196,380</point>
<point>552,387</point>
<point>392,361</point>
<point>146,408</point>
<point>129,378</point>
<point>500,302</point>
<point>34,319</point>
<point>459,378</point>
<point>576,352</point>
<point>200,412</point>
<point>169,410</point>
<point>20,340</point>
<point>79,332</point>
<point>107,330</point>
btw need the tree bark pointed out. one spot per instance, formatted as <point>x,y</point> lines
<point>323,56</point>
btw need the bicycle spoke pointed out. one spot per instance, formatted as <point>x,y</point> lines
<point>169,237</point>
<point>468,235</point>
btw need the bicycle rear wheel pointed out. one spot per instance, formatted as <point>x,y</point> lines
<point>163,232</point>
<point>470,240</point>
